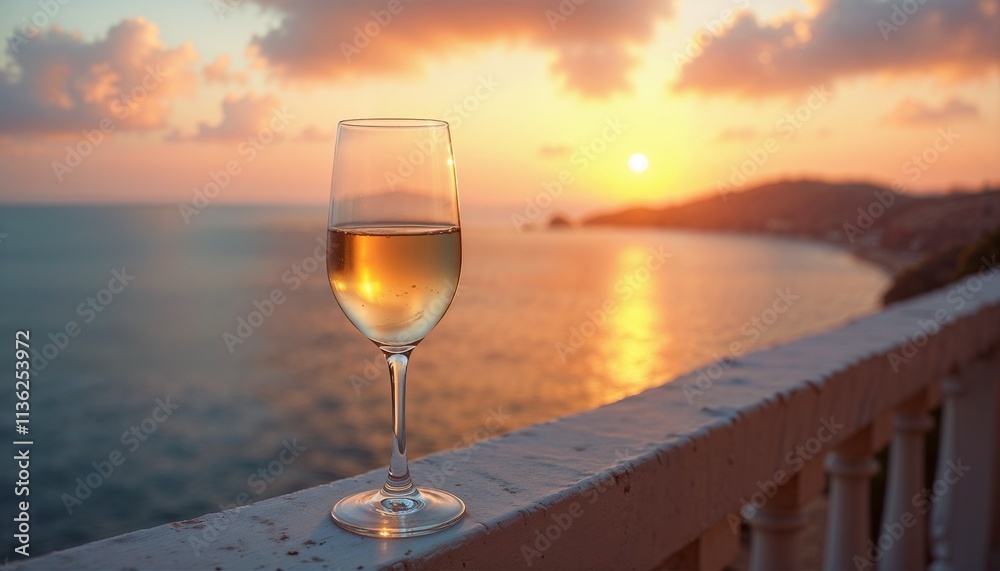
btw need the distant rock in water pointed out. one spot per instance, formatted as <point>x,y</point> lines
<point>560,222</point>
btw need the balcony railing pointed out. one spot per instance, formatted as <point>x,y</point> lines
<point>663,479</point>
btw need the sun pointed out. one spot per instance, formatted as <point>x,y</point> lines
<point>638,163</point>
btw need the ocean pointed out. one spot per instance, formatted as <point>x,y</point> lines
<point>178,368</point>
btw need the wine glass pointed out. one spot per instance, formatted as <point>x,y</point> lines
<point>394,256</point>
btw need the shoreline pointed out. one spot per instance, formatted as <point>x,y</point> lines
<point>892,262</point>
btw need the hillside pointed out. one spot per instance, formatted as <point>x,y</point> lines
<point>860,215</point>
<point>946,266</point>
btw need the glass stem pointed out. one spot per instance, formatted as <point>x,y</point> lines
<point>398,483</point>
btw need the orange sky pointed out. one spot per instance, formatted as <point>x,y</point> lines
<point>731,92</point>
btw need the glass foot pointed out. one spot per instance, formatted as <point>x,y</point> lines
<point>421,512</point>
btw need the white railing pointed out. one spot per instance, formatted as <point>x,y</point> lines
<point>663,479</point>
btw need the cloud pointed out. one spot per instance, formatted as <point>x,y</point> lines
<point>957,38</point>
<point>218,72</point>
<point>913,112</point>
<point>591,43</point>
<point>242,117</point>
<point>554,151</point>
<point>313,134</point>
<point>61,84</point>
<point>736,134</point>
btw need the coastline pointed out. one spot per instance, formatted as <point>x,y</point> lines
<point>892,262</point>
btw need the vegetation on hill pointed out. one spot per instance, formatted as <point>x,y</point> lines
<point>946,266</point>
<point>858,214</point>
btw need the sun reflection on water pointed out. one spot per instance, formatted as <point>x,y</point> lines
<point>634,335</point>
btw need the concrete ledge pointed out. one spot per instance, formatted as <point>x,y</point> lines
<point>624,486</point>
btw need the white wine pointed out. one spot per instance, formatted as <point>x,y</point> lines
<point>394,282</point>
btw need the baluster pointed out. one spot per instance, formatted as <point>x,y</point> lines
<point>952,388</point>
<point>967,469</point>
<point>850,467</point>
<point>775,525</point>
<point>902,522</point>
<point>713,551</point>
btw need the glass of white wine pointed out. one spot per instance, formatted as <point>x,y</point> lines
<point>394,257</point>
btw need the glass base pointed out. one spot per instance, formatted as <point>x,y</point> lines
<point>421,512</point>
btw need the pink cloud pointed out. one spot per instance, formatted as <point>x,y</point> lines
<point>958,38</point>
<point>243,117</point>
<point>313,134</point>
<point>736,134</point>
<point>913,112</point>
<point>218,71</point>
<point>592,43</point>
<point>554,151</point>
<point>62,84</point>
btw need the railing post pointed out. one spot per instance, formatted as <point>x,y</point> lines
<point>904,525</point>
<point>775,525</point>
<point>717,547</point>
<point>966,478</point>
<point>850,467</point>
<point>952,388</point>
<point>994,542</point>
<point>713,551</point>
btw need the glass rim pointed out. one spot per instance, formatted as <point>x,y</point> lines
<point>392,122</point>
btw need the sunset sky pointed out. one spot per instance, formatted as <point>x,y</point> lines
<point>840,89</point>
